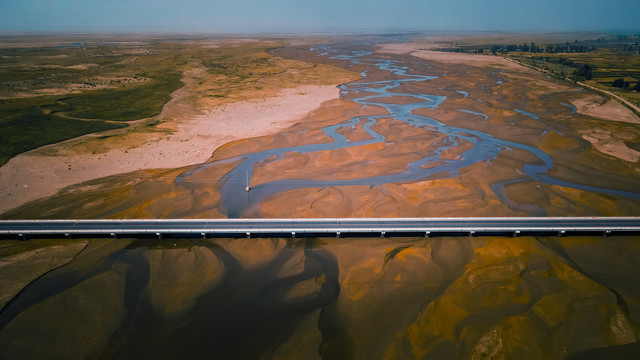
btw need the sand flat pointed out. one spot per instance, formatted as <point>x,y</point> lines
<point>34,174</point>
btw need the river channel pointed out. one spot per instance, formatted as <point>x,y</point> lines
<point>380,93</point>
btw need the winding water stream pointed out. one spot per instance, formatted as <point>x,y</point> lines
<point>235,201</point>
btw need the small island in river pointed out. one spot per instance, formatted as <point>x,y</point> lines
<point>143,126</point>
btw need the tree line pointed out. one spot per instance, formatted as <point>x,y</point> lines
<point>623,84</point>
<point>550,49</point>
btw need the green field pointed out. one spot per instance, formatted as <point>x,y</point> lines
<point>610,56</point>
<point>607,64</point>
<point>53,93</point>
<point>48,95</point>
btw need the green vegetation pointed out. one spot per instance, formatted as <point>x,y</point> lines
<point>249,70</point>
<point>51,94</point>
<point>24,126</point>
<point>140,102</point>
<point>604,61</point>
<point>245,61</point>
<point>608,69</point>
<point>48,95</point>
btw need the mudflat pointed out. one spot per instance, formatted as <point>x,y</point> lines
<point>422,133</point>
<point>407,132</point>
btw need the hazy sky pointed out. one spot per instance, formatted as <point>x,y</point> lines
<point>316,15</point>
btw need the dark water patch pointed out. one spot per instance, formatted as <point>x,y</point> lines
<point>618,352</point>
<point>246,314</point>
<point>486,117</point>
<point>573,108</point>
<point>531,115</point>
<point>95,259</point>
<point>249,312</point>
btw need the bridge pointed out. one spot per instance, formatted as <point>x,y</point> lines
<point>351,227</point>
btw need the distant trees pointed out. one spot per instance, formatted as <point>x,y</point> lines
<point>567,47</point>
<point>637,87</point>
<point>584,71</point>
<point>620,83</point>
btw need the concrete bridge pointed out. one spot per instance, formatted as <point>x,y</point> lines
<point>353,227</point>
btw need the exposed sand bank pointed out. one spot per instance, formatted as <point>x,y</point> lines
<point>587,103</point>
<point>598,106</point>
<point>515,103</point>
<point>35,174</point>
<point>423,50</point>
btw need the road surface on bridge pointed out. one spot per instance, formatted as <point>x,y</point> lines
<point>320,227</point>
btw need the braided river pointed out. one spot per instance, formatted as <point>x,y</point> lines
<point>380,93</point>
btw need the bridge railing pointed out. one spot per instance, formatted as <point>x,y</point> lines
<point>476,226</point>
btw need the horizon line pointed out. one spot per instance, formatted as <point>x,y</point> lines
<point>310,33</point>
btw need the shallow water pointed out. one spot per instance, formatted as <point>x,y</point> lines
<point>330,298</point>
<point>486,147</point>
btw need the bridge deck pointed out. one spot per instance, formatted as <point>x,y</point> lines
<point>321,227</point>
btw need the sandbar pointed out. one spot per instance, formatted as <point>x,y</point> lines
<point>35,174</point>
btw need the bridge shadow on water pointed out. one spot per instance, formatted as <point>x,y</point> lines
<point>364,297</point>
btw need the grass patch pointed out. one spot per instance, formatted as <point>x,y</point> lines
<point>117,83</point>
<point>25,130</point>
<point>608,65</point>
<point>120,83</point>
<point>250,71</point>
<point>142,101</point>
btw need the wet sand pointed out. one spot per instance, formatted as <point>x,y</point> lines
<point>360,298</point>
<point>190,140</point>
<point>437,298</point>
<point>483,93</point>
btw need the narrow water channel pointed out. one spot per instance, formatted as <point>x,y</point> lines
<point>486,147</point>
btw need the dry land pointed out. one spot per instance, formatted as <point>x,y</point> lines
<point>229,100</point>
<point>229,89</point>
<point>483,93</point>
